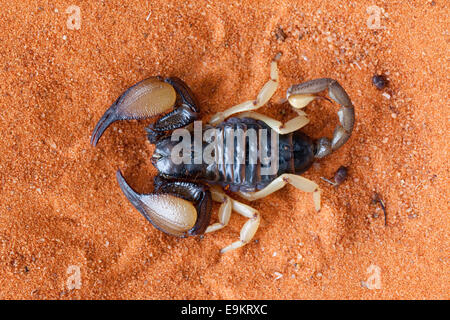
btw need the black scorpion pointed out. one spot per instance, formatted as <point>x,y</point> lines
<point>184,190</point>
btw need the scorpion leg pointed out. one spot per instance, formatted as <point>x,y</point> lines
<point>151,97</point>
<point>224,210</point>
<point>302,94</point>
<point>282,128</point>
<point>262,98</point>
<point>228,204</point>
<point>297,181</point>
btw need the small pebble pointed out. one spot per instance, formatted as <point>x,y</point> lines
<point>280,34</point>
<point>379,81</point>
<point>340,175</point>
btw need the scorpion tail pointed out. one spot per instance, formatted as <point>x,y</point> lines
<point>302,94</point>
<point>146,98</point>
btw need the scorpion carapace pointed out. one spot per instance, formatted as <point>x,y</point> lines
<point>250,153</point>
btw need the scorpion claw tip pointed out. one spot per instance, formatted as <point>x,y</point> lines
<point>105,121</point>
<point>120,177</point>
<point>132,196</point>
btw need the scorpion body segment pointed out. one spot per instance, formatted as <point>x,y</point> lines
<point>249,153</point>
<point>295,156</point>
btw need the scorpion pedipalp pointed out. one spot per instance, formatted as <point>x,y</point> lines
<point>300,95</point>
<point>146,98</point>
<point>176,208</point>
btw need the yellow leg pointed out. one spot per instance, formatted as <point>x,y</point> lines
<point>282,128</point>
<point>297,181</point>
<point>250,227</point>
<point>263,97</point>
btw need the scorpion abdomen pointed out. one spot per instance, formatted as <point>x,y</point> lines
<point>237,168</point>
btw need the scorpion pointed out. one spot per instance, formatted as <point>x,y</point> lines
<point>181,202</point>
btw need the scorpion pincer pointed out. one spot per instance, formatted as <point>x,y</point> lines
<point>181,203</point>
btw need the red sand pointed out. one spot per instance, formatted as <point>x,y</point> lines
<point>61,205</point>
